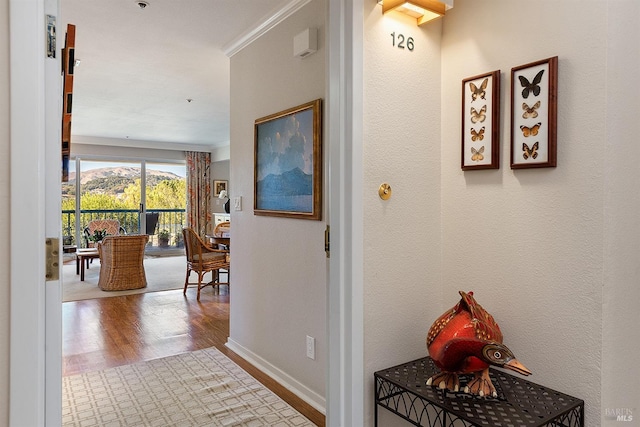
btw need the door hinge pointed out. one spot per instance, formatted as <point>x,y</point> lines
<point>327,241</point>
<point>52,267</point>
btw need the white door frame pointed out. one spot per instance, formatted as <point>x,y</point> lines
<point>345,322</point>
<point>35,344</point>
<point>35,341</point>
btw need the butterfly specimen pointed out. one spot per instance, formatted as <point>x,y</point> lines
<point>477,135</point>
<point>479,116</point>
<point>530,111</point>
<point>534,86</point>
<point>476,155</point>
<point>530,152</point>
<point>478,91</point>
<point>530,131</point>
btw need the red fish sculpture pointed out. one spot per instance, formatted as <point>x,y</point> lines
<point>467,340</point>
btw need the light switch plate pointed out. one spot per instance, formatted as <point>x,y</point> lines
<point>237,203</point>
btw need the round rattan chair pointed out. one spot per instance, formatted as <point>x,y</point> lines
<point>121,262</point>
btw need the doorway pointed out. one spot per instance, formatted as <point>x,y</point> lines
<point>29,391</point>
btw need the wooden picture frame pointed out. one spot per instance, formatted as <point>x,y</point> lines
<point>288,163</point>
<point>534,111</point>
<point>68,66</point>
<point>219,186</point>
<point>481,122</point>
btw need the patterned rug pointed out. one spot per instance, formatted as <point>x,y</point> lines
<point>201,388</point>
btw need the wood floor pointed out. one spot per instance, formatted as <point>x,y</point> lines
<point>107,332</point>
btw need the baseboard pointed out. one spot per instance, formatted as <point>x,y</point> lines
<point>303,392</point>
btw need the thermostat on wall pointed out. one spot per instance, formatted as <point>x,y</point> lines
<point>305,43</point>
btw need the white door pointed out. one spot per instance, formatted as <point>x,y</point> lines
<point>35,353</point>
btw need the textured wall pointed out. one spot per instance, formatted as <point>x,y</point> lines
<point>4,211</point>
<point>278,290</point>
<point>543,249</point>
<point>529,242</point>
<point>621,293</point>
<point>401,146</point>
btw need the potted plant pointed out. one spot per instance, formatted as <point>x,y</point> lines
<point>97,236</point>
<point>179,240</point>
<point>163,238</point>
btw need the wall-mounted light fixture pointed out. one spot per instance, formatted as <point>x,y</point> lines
<point>422,10</point>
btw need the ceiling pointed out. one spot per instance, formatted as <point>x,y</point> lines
<point>139,67</point>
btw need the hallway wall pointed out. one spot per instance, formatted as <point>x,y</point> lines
<point>279,268</point>
<point>529,242</point>
<point>4,211</point>
<point>401,146</point>
<point>551,253</point>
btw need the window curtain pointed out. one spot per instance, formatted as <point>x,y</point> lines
<point>198,191</point>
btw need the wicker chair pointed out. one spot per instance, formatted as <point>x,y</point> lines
<point>121,262</point>
<point>202,259</point>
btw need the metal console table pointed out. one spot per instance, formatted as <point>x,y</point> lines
<point>402,390</point>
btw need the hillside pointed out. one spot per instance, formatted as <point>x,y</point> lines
<point>113,180</point>
<point>121,171</point>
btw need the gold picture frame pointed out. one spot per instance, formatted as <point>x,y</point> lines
<point>219,186</point>
<point>288,163</point>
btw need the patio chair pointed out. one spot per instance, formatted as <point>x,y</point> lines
<point>111,226</point>
<point>121,262</point>
<point>152,222</point>
<point>202,259</point>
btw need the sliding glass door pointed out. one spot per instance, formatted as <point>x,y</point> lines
<point>166,201</point>
<point>145,197</point>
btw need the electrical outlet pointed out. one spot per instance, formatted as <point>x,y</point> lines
<point>311,347</point>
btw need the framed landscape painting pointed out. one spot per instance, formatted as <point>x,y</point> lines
<point>288,163</point>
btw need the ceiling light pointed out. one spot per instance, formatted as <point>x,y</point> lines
<point>422,10</point>
<point>142,4</point>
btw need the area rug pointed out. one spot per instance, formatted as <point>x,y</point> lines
<point>201,388</point>
<point>163,273</point>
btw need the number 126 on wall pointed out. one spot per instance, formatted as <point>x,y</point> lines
<point>402,42</point>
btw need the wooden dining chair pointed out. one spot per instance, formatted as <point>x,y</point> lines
<point>202,259</point>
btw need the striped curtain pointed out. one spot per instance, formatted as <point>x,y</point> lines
<point>198,191</point>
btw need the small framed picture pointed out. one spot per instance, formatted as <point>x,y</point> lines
<point>534,111</point>
<point>481,121</point>
<point>218,187</point>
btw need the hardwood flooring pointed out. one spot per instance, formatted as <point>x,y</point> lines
<point>107,332</point>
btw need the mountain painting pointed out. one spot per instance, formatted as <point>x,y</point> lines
<point>288,162</point>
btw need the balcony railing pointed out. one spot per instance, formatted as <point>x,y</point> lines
<point>171,220</point>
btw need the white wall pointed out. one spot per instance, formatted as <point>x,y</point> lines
<point>279,267</point>
<point>4,211</point>
<point>220,171</point>
<point>621,293</point>
<point>530,242</point>
<point>401,145</point>
<point>552,253</point>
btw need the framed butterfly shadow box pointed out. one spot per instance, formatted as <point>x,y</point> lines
<point>534,113</point>
<point>481,122</point>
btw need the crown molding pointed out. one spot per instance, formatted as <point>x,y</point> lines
<point>264,25</point>
<point>134,143</point>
